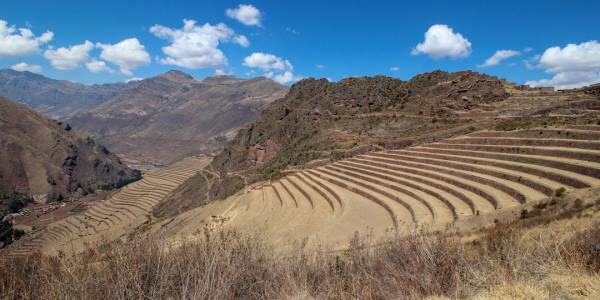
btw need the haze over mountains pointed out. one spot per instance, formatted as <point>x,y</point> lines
<point>58,99</point>
<point>165,118</point>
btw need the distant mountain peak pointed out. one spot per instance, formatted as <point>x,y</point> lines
<point>15,73</point>
<point>176,75</point>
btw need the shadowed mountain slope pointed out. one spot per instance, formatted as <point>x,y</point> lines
<point>46,159</point>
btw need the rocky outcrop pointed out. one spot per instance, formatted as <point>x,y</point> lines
<point>593,90</point>
<point>259,154</point>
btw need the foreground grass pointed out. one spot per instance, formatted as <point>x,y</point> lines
<point>509,261</point>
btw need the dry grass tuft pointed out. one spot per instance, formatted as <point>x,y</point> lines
<point>506,262</point>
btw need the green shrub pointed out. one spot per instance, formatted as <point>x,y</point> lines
<point>15,201</point>
<point>135,176</point>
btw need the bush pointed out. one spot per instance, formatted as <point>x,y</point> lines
<point>578,203</point>
<point>584,249</point>
<point>15,201</point>
<point>559,192</point>
<point>135,176</point>
<point>541,205</point>
<point>220,139</point>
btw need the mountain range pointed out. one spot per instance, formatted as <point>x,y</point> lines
<point>165,118</point>
<point>58,99</point>
<point>154,121</point>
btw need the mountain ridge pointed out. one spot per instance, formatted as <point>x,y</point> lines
<point>180,114</point>
<point>57,99</point>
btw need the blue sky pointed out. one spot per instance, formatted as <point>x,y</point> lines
<point>290,40</point>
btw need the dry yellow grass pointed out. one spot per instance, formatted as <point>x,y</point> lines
<point>516,261</point>
<point>559,284</point>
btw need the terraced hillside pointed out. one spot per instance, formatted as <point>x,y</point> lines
<point>114,218</point>
<point>435,185</point>
<point>320,120</point>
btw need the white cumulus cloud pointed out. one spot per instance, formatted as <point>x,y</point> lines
<point>69,58</point>
<point>573,66</point>
<point>98,66</point>
<point>246,14</point>
<point>266,62</point>
<point>498,57</point>
<point>133,79</point>
<point>394,69</point>
<point>196,47</point>
<point>20,42</point>
<point>221,72</point>
<point>284,78</point>
<point>128,54</point>
<point>21,67</point>
<point>441,41</point>
<point>242,40</point>
<point>274,67</point>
